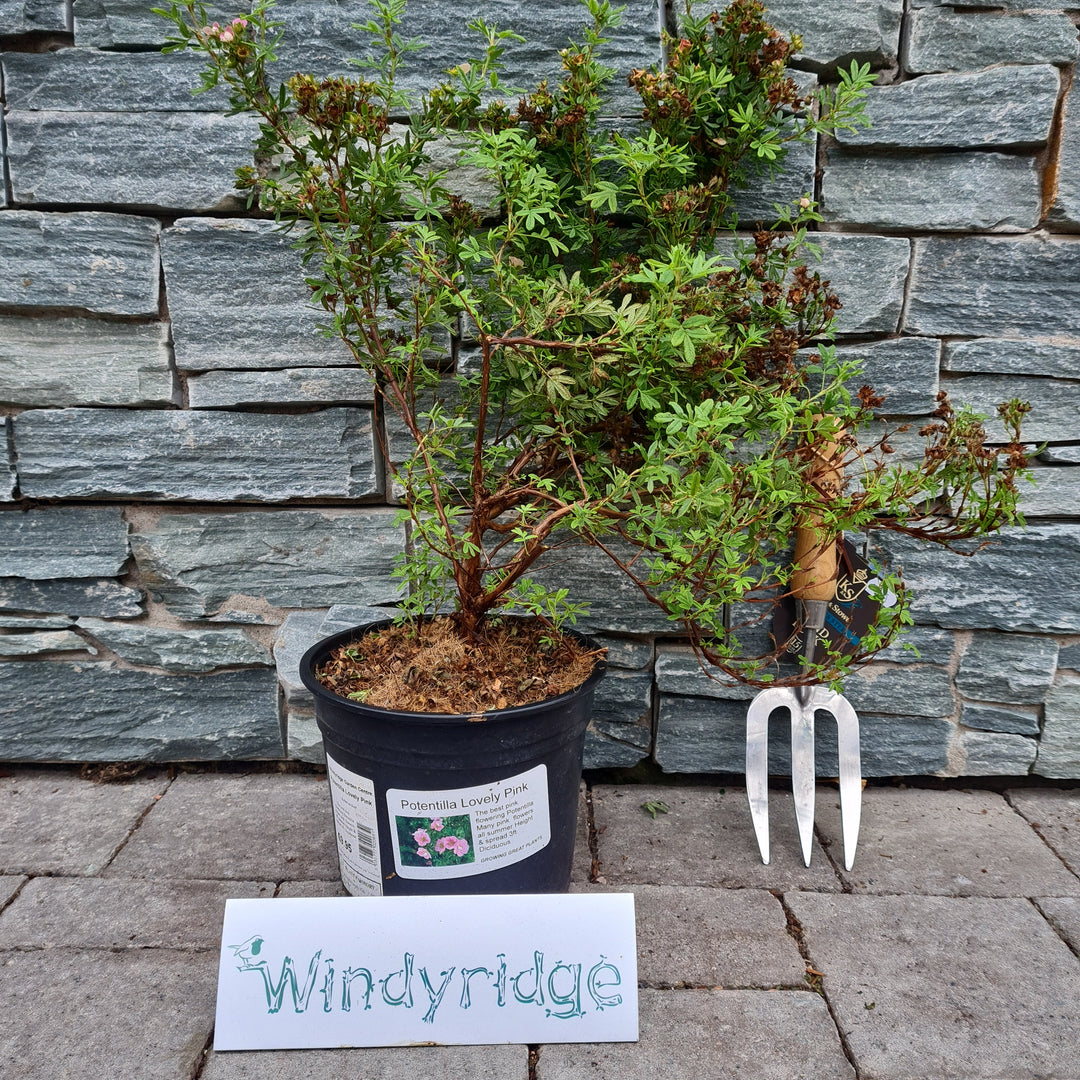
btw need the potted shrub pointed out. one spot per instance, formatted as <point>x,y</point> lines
<point>632,374</point>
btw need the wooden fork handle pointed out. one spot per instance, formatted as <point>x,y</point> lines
<point>816,566</point>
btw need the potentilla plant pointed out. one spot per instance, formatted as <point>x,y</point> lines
<point>634,372</point>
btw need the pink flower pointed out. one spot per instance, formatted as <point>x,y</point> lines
<point>457,844</point>
<point>436,824</point>
<point>422,839</point>
<point>226,35</point>
<point>423,853</point>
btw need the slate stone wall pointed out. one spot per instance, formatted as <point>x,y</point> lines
<point>194,482</point>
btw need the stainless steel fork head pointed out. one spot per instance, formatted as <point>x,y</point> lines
<point>802,764</point>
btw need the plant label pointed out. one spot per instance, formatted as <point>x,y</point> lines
<point>400,971</point>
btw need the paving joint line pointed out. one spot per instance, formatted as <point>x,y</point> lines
<point>825,843</point>
<point>1037,830</point>
<point>187,950</point>
<point>18,892</point>
<point>795,929</point>
<point>594,838</point>
<point>204,1056</point>
<point>154,800</point>
<point>796,988</point>
<point>1075,950</point>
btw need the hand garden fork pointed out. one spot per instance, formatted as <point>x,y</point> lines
<point>813,586</point>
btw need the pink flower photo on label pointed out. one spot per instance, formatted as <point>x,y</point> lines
<point>434,843</point>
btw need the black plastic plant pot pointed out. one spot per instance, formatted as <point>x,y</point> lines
<point>428,803</point>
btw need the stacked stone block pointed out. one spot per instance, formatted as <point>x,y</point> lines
<point>196,484</point>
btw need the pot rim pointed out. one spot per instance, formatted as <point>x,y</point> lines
<point>317,652</point>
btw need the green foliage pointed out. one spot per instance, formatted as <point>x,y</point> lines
<point>639,376</point>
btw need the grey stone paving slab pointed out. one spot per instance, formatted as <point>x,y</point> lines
<point>702,1034</point>
<point>705,838</point>
<point>109,913</point>
<point>305,889</point>
<point>241,827</point>
<point>945,987</point>
<point>691,936</point>
<point>949,843</point>
<point>581,867</point>
<point>1055,814</point>
<point>143,1014</point>
<point>52,822</point>
<point>9,886</point>
<point>445,1062</point>
<point>1063,914</point>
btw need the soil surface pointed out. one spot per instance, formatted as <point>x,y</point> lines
<point>431,668</point>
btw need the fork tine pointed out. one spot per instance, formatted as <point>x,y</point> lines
<point>850,767</point>
<point>803,771</point>
<point>757,768</point>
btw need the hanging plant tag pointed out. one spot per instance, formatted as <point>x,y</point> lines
<point>850,614</point>
<point>418,970</point>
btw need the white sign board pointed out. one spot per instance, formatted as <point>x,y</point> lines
<point>397,971</point>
